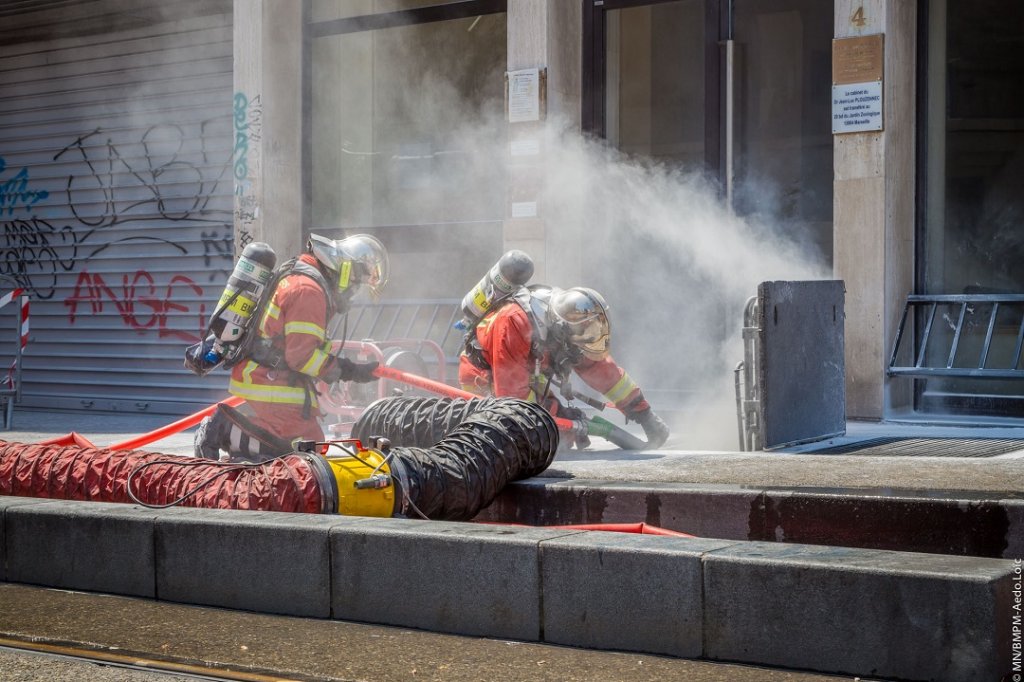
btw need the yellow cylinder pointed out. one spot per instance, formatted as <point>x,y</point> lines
<point>353,501</point>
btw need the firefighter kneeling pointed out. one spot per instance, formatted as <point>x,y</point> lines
<point>539,336</point>
<point>289,352</point>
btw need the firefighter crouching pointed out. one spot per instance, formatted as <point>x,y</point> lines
<point>538,336</point>
<point>289,351</point>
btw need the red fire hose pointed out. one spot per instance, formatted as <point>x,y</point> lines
<point>596,426</point>
<point>445,390</point>
<point>174,427</point>
<point>146,438</point>
<point>640,528</point>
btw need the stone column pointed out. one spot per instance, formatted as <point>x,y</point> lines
<point>874,207</point>
<point>268,124</point>
<point>543,35</point>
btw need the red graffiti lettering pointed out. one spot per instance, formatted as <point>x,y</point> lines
<point>141,289</point>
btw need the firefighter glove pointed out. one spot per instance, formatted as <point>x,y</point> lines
<point>343,369</point>
<point>578,436</point>
<point>359,372</point>
<point>654,428</point>
<point>573,413</point>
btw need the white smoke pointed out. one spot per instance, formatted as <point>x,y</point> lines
<point>674,262</point>
<point>677,266</point>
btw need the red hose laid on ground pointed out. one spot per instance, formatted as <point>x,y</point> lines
<point>73,438</point>
<point>642,528</point>
<point>174,427</point>
<point>291,484</point>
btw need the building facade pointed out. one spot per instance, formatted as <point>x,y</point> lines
<point>671,154</point>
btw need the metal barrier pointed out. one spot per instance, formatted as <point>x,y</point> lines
<point>966,329</point>
<point>10,386</point>
<point>429,323</point>
<point>413,336</point>
<point>747,389</point>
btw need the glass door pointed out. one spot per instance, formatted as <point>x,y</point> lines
<point>401,110</point>
<point>647,86</point>
<point>736,91</point>
<point>971,205</point>
<point>780,83</point>
<point>651,91</point>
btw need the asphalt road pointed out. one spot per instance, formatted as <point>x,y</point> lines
<point>259,648</point>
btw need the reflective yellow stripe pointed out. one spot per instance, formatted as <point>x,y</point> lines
<point>248,369</point>
<point>315,362</point>
<point>344,275</point>
<point>305,328</point>
<point>621,390</point>
<point>272,313</point>
<point>283,395</point>
<point>541,382</point>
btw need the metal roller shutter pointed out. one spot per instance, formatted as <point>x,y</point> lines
<point>116,207</point>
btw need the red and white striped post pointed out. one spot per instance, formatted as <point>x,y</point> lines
<point>13,378</point>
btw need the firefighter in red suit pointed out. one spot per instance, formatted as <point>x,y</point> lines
<point>293,352</point>
<point>538,337</point>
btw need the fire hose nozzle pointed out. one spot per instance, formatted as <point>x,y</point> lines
<point>374,482</point>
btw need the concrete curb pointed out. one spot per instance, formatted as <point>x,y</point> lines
<point>828,609</point>
<point>960,523</point>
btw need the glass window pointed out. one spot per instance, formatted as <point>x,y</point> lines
<point>657,85</point>
<point>974,227</point>
<point>654,82</point>
<point>403,124</point>
<point>783,93</point>
<point>971,226</point>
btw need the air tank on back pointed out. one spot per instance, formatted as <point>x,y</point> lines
<point>513,270</point>
<point>251,275</point>
<point>233,316</point>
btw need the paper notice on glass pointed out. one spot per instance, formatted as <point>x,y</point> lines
<point>524,209</point>
<point>525,147</point>
<point>523,95</point>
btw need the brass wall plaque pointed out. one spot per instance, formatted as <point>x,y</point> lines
<point>857,60</point>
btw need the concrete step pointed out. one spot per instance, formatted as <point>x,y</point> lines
<point>957,522</point>
<point>875,613</point>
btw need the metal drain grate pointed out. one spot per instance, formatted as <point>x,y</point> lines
<point>926,447</point>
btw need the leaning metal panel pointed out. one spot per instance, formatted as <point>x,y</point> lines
<point>801,371</point>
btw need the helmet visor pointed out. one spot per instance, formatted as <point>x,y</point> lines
<point>584,315</point>
<point>371,262</point>
<point>591,336</point>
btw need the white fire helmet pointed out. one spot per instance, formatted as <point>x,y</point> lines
<point>581,317</point>
<point>359,260</point>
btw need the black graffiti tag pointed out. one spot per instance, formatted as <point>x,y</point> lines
<point>33,251</point>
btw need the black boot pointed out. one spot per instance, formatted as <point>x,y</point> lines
<point>211,436</point>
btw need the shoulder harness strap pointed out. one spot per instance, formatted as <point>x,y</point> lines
<point>534,310</point>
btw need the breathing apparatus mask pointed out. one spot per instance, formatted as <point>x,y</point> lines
<point>351,263</point>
